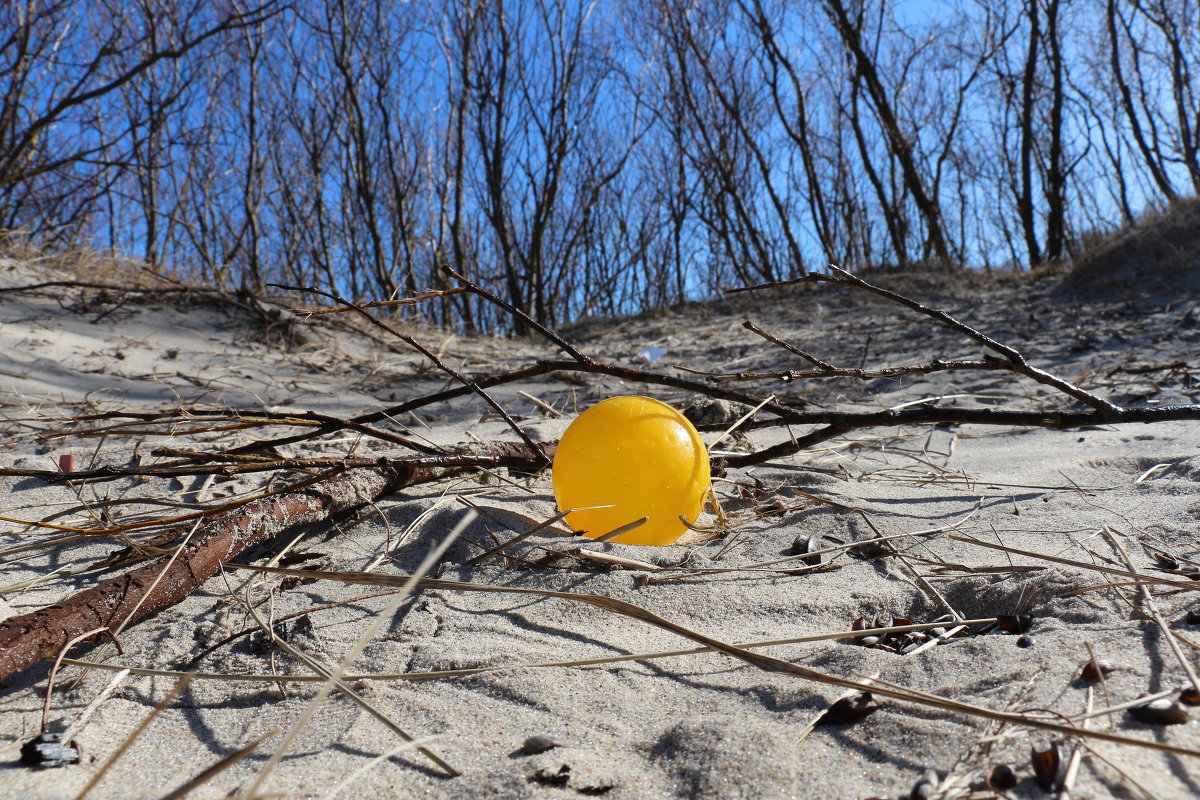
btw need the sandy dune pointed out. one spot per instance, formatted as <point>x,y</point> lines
<point>698,725</point>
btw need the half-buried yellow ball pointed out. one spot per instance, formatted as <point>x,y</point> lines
<point>640,457</point>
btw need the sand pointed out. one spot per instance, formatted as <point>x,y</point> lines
<point>703,725</point>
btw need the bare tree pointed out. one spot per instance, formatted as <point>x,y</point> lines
<point>529,118</point>
<point>1120,31</point>
<point>583,157</point>
<point>54,80</point>
<point>850,28</point>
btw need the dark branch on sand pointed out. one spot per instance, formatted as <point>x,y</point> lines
<point>1017,362</point>
<point>504,454</point>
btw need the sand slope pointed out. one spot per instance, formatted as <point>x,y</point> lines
<point>686,726</point>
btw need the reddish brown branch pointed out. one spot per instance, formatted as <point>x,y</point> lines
<point>145,591</point>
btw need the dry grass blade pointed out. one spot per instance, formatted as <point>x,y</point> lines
<point>583,662</point>
<point>520,537</point>
<point>618,561</point>
<point>1076,758</point>
<point>374,762</point>
<point>624,529</point>
<point>175,691</point>
<point>218,767</point>
<point>1137,576</point>
<point>58,663</point>
<point>1103,682</point>
<point>763,662</point>
<point>1152,610</point>
<point>542,404</point>
<point>740,421</point>
<point>335,678</point>
<point>1128,704</point>
<point>76,726</point>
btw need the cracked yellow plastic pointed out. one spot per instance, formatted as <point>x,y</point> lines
<point>639,456</point>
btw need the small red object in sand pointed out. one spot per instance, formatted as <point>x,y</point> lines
<point>66,463</point>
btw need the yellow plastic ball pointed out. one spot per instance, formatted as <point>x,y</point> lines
<point>641,457</point>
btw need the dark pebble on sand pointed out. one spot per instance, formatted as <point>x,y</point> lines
<point>806,544</point>
<point>1003,777</point>
<point>925,786</point>
<point>49,750</point>
<point>1025,641</point>
<point>1095,670</point>
<point>1160,712</point>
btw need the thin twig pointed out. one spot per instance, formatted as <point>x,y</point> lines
<point>58,663</point>
<point>533,446</point>
<point>175,691</point>
<point>1014,357</point>
<point>1068,781</point>
<point>222,764</point>
<point>1152,610</point>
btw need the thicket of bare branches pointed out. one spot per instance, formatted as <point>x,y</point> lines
<point>582,157</point>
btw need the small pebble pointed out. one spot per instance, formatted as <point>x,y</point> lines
<point>540,743</point>
<point>869,641</point>
<point>1193,617</point>
<point>937,633</point>
<point>1094,670</point>
<point>1025,641</point>
<point>49,750</point>
<point>1049,767</point>
<point>1160,712</point>
<point>1003,777</point>
<point>806,544</point>
<point>925,786</point>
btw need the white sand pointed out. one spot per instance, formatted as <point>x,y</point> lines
<point>693,726</point>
